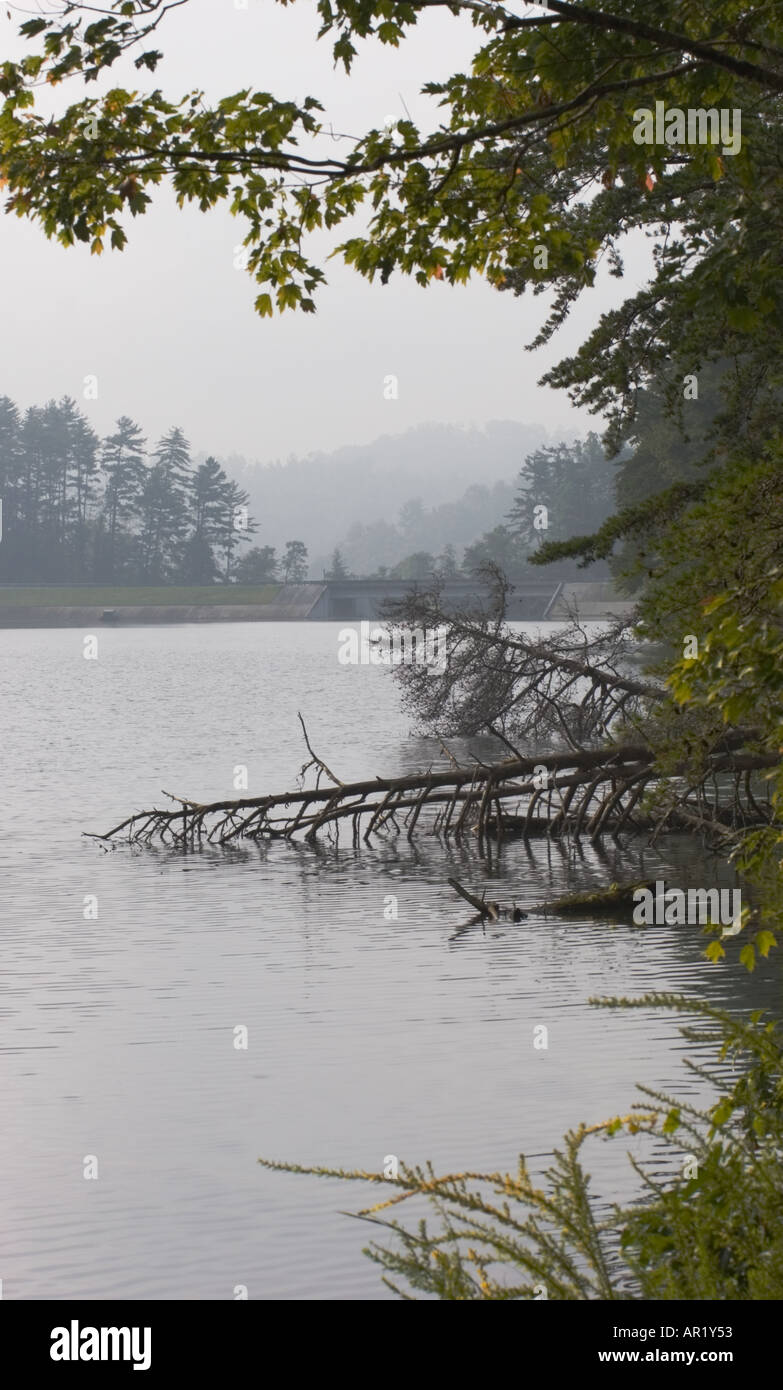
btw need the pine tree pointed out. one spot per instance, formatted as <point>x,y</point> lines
<point>82,489</point>
<point>295,562</point>
<point>207,506</point>
<point>337,568</point>
<point>447,563</point>
<point>11,476</point>
<point>565,490</point>
<point>32,494</point>
<point>165,507</point>
<point>208,492</point>
<point>123,467</point>
<point>236,524</point>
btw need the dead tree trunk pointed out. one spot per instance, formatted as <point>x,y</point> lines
<point>590,791</point>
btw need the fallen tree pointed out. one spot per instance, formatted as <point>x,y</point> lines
<point>572,685</point>
<point>587,792</point>
<point>612,765</point>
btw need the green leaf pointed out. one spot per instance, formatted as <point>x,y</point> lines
<point>31,27</point>
<point>764,942</point>
<point>748,957</point>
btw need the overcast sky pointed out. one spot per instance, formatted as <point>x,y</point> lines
<point>168,325</point>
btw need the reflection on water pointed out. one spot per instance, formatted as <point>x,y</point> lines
<point>368,1034</point>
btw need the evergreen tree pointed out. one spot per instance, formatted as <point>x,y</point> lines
<point>207,503</point>
<point>11,478</point>
<point>165,506</point>
<point>295,562</point>
<point>208,492</point>
<point>564,491</point>
<point>337,568</point>
<point>82,491</point>
<point>258,566</point>
<point>123,467</point>
<point>497,547</point>
<point>198,564</point>
<point>34,497</point>
<point>236,525</point>
<point>53,496</point>
<point>447,566</point>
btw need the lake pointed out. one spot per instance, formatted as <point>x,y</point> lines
<point>367,1036</point>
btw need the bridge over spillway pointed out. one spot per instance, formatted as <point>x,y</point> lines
<point>357,599</point>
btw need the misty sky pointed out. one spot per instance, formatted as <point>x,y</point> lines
<point>168,325</point>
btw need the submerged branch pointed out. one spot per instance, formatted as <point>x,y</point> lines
<point>493,799</point>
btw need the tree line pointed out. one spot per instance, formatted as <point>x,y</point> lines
<point>80,509</point>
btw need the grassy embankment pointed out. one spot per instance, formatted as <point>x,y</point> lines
<point>103,596</point>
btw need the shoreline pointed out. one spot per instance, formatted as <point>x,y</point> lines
<point>38,615</point>
<point>352,601</point>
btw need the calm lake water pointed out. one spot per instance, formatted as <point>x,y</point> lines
<point>366,1036</point>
